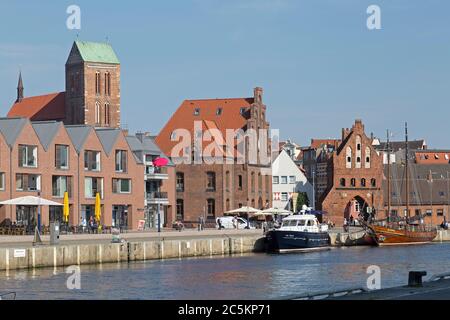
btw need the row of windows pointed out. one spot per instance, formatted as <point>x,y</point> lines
<point>362,182</point>
<point>107,83</point>
<point>418,212</point>
<point>219,111</point>
<point>211,181</point>
<point>283,179</point>
<point>61,184</point>
<point>210,209</point>
<point>28,158</point>
<point>358,155</point>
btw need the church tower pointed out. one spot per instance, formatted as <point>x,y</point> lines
<point>20,89</point>
<point>92,85</point>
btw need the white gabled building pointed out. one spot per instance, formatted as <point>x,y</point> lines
<point>287,179</point>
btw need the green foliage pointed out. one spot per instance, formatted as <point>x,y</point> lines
<point>302,199</point>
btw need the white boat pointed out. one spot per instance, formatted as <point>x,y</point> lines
<point>298,233</point>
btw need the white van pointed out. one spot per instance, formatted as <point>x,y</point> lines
<point>229,223</point>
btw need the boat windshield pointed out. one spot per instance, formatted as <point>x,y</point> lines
<point>289,223</point>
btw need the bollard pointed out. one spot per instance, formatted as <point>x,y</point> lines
<point>415,278</point>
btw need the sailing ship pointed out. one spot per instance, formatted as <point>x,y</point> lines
<point>406,230</point>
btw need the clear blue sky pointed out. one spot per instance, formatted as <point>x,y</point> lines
<point>318,63</point>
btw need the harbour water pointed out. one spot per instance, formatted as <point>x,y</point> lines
<point>250,276</point>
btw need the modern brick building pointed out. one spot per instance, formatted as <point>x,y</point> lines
<point>159,181</point>
<point>209,190</point>
<point>48,159</point>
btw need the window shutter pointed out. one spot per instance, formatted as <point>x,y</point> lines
<point>69,186</point>
<point>86,160</point>
<point>114,185</point>
<point>20,156</point>
<point>58,157</point>
<point>54,186</point>
<point>124,161</point>
<point>25,182</point>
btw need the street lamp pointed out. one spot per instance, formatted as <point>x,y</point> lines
<point>314,190</point>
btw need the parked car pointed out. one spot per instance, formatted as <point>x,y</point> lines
<point>229,223</point>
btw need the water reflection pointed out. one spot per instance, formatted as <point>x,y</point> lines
<point>255,276</point>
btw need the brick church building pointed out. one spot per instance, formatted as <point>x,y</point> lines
<point>355,177</point>
<point>92,95</point>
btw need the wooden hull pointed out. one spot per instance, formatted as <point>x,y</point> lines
<point>361,238</point>
<point>388,236</point>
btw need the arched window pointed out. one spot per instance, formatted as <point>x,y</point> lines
<point>253,182</point>
<point>367,162</point>
<point>373,182</point>
<point>353,182</point>
<point>97,113</point>
<point>107,114</point>
<point>227,181</point>
<point>358,152</point>
<point>97,82</point>
<point>363,182</point>
<point>348,158</point>
<point>342,182</point>
<point>259,181</point>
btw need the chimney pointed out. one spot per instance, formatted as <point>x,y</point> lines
<point>140,136</point>
<point>258,94</point>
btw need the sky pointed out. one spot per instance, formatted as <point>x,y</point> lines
<point>319,64</point>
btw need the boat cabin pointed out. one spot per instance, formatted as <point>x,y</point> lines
<point>303,222</point>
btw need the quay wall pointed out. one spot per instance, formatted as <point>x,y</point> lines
<point>82,254</point>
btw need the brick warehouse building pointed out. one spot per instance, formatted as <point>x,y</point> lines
<point>209,190</point>
<point>92,100</point>
<point>355,179</point>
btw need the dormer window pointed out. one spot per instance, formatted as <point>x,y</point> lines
<point>196,111</point>
<point>243,110</point>
<point>219,111</point>
<point>173,136</point>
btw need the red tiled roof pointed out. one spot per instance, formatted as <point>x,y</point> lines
<point>184,118</point>
<point>432,157</point>
<point>317,143</point>
<point>38,108</point>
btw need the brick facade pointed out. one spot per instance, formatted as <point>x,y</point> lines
<point>236,185</point>
<point>357,175</point>
<point>47,171</point>
<point>86,101</point>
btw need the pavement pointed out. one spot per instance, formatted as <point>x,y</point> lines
<point>432,290</point>
<point>72,239</point>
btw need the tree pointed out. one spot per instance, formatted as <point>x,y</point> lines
<point>302,199</point>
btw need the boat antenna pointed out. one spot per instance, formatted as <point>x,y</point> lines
<point>406,170</point>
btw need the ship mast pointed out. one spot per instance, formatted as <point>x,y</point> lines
<point>388,177</point>
<point>406,170</point>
